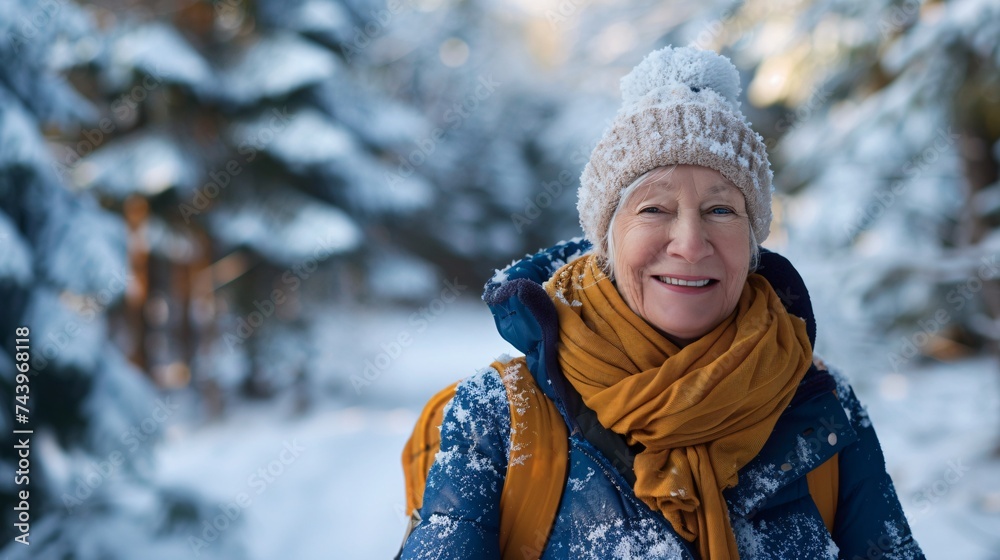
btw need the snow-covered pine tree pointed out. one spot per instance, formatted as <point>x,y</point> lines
<point>63,269</point>
<point>311,151</point>
<point>187,165</point>
<point>245,188</point>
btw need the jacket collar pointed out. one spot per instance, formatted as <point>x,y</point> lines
<point>526,317</point>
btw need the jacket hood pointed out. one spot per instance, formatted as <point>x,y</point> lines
<point>526,317</point>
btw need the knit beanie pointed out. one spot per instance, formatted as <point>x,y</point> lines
<point>680,106</point>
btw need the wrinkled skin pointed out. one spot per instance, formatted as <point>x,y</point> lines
<point>689,222</point>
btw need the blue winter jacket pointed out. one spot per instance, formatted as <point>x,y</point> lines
<point>771,511</point>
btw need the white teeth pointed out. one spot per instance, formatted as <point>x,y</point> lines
<point>679,282</point>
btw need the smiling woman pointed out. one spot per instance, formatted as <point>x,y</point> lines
<point>683,244</point>
<point>668,404</point>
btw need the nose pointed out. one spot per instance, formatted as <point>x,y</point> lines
<point>688,238</point>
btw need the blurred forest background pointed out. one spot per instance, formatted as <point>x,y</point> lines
<point>212,211</point>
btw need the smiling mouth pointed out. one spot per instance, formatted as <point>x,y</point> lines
<point>688,283</point>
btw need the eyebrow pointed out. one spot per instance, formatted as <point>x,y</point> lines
<point>664,180</point>
<point>714,189</point>
<point>720,187</point>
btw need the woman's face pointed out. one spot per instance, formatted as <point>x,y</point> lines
<point>682,250</point>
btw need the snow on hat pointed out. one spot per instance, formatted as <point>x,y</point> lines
<point>680,106</point>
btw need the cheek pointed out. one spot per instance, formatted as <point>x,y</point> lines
<point>736,258</point>
<point>628,279</point>
<point>632,255</point>
<point>732,241</point>
<point>639,244</point>
<point>733,297</point>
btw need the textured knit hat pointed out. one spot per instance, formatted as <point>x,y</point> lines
<point>680,106</point>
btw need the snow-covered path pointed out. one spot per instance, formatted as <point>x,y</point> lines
<point>335,487</point>
<point>342,495</point>
<point>339,497</point>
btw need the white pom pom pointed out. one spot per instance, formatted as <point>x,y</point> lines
<point>697,69</point>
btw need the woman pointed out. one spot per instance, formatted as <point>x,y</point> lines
<point>699,426</point>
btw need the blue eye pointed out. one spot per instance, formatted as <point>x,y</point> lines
<point>650,210</point>
<point>722,211</point>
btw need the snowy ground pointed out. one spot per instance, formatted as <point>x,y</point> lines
<point>341,496</point>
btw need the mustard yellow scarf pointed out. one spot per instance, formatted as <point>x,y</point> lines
<point>702,411</point>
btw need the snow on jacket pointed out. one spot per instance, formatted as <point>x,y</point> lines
<point>770,508</point>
